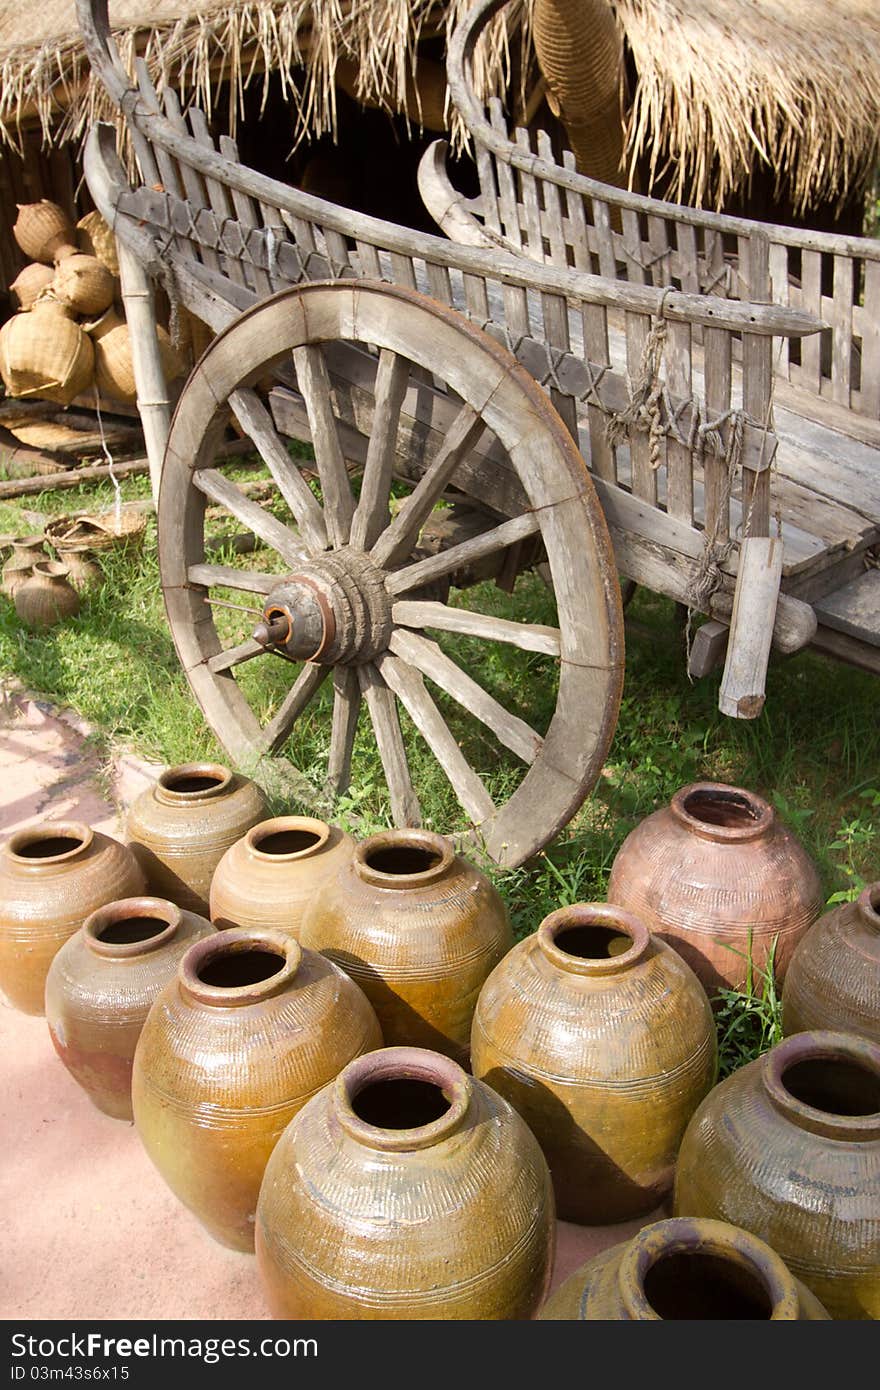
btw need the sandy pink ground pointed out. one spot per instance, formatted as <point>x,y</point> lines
<point>87,1227</point>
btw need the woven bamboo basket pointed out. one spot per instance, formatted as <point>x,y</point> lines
<point>44,231</point>
<point>84,283</point>
<point>96,239</point>
<point>97,532</point>
<point>114,364</point>
<point>30,283</point>
<point>44,353</point>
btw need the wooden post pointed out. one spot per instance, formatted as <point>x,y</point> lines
<point>751,627</point>
<point>154,404</point>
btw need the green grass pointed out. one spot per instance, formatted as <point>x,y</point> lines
<point>814,752</point>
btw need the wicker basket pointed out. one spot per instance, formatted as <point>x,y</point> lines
<point>96,239</point>
<point>30,283</point>
<point>84,283</point>
<point>44,353</point>
<point>44,231</point>
<point>97,532</point>
<point>114,364</point>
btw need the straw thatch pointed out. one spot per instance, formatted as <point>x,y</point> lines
<point>724,84</point>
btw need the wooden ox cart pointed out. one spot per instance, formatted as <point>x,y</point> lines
<point>475,411</point>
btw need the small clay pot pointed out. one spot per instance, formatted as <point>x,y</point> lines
<point>83,572</point>
<point>419,928</point>
<point>789,1148</point>
<point>406,1190</point>
<point>101,985</point>
<point>52,877</point>
<point>717,875</point>
<point>833,980</point>
<point>251,1027</point>
<point>181,827</point>
<point>272,874</point>
<point>46,596</point>
<point>25,553</point>
<point>684,1269</point>
<point>602,1038</point>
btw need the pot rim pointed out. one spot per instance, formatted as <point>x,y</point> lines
<point>819,1045</point>
<point>121,910</point>
<point>50,569</point>
<point>593,915</point>
<point>166,793</point>
<point>426,840</point>
<point>410,1064</point>
<point>30,542</point>
<point>868,904</point>
<point>277,825</point>
<point>50,830</point>
<point>761,812</point>
<point>234,941</point>
<point>685,1235</point>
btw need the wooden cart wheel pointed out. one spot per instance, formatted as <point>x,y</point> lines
<point>356,591</point>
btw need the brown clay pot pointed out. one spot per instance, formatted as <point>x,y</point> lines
<point>101,985</point>
<point>181,827</point>
<point>603,1039</point>
<point>83,571</point>
<point>250,1028</point>
<point>46,596</point>
<point>406,1190</point>
<point>715,870</point>
<point>26,553</point>
<point>270,876</point>
<point>419,929</point>
<point>833,980</point>
<point>789,1148</point>
<point>52,876</point>
<point>684,1269</point>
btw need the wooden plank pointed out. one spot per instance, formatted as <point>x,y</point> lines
<point>854,608</point>
<point>506,187</point>
<point>534,243</point>
<point>659,250</point>
<point>633,250</point>
<point>688,263</point>
<point>811,300</point>
<point>603,460</point>
<point>552,216</point>
<point>644,477</point>
<point>751,627</point>
<point>708,648</point>
<point>488,189</point>
<point>219,195</point>
<point>530,637</point>
<point>842,331</point>
<point>679,460</point>
<point>758,392</point>
<point>843,647</point>
<point>554,309</point>
<point>193,182</point>
<point>246,212</point>
<point>870,385</point>
<point>780,291</point>
<point>577,220</point>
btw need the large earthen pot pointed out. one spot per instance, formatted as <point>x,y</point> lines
<point>272,874</point>
<point>603,1039</point>
<point>249,1029</point>
<point>833,980</point>
<point>419,928</point>
<point>406,1190</point>
<point>52,876</point>
<point>101,985</point>
<point>181,827</point>
<point>717,875</point>
<point>684,1269</point>
<point>46,596</point>
<point>789,1148</point>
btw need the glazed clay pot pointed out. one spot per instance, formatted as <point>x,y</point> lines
<point>181,827</point>
<point>46,596</point>
<point>52,876</point>
<point>250,1028</point>
<point>419,929</point>
<point>101,985</point>
<point>833,980</point>
<point>603,1040</point>
<point>405,1190</point>
<point>712,870</point>
<point>789,1148</point>
<point>270,876</point>
<point>684,1269</point>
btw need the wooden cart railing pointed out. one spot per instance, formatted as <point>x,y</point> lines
<point>535,205</point>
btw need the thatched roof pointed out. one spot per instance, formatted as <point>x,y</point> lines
<point>723,83</point>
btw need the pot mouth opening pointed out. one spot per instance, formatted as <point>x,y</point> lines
<point>592,942</point>
<point>53,847</point>
<point>396,859</point>
<point>701,1284</point>
<point>288,837</point>
<point>869,902</point>
<point>52,569</point>
<point>230,968</point>
<point>402,859</point>
<point>837,1086</point>
<point>195,779</point>
<point>593,938</point>
<point>726,808</point>
<point>43,843</point>
<point>402,1098</point>
<point>131,927</point>
<point>400,1102</point>
<point>31,542</point>
<point>126,931</point>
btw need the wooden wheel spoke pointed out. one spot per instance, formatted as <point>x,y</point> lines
<point>227,577</point>
<point>235,656</point>
<point>371,516</point>
<point>530,637</point>
<point>307,683</point>
<point>256,421</point>
<point>389,740</point>
<point>314,387</point>
<point>410,689</point>
<point>251,515</point>
<point>346,708</point>
<point>458,556</point>
<point>427,657</point>
<point>396,542</point>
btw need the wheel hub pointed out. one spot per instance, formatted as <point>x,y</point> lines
<point>334,610</point>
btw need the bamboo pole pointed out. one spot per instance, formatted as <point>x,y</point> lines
<point>154,402</point>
